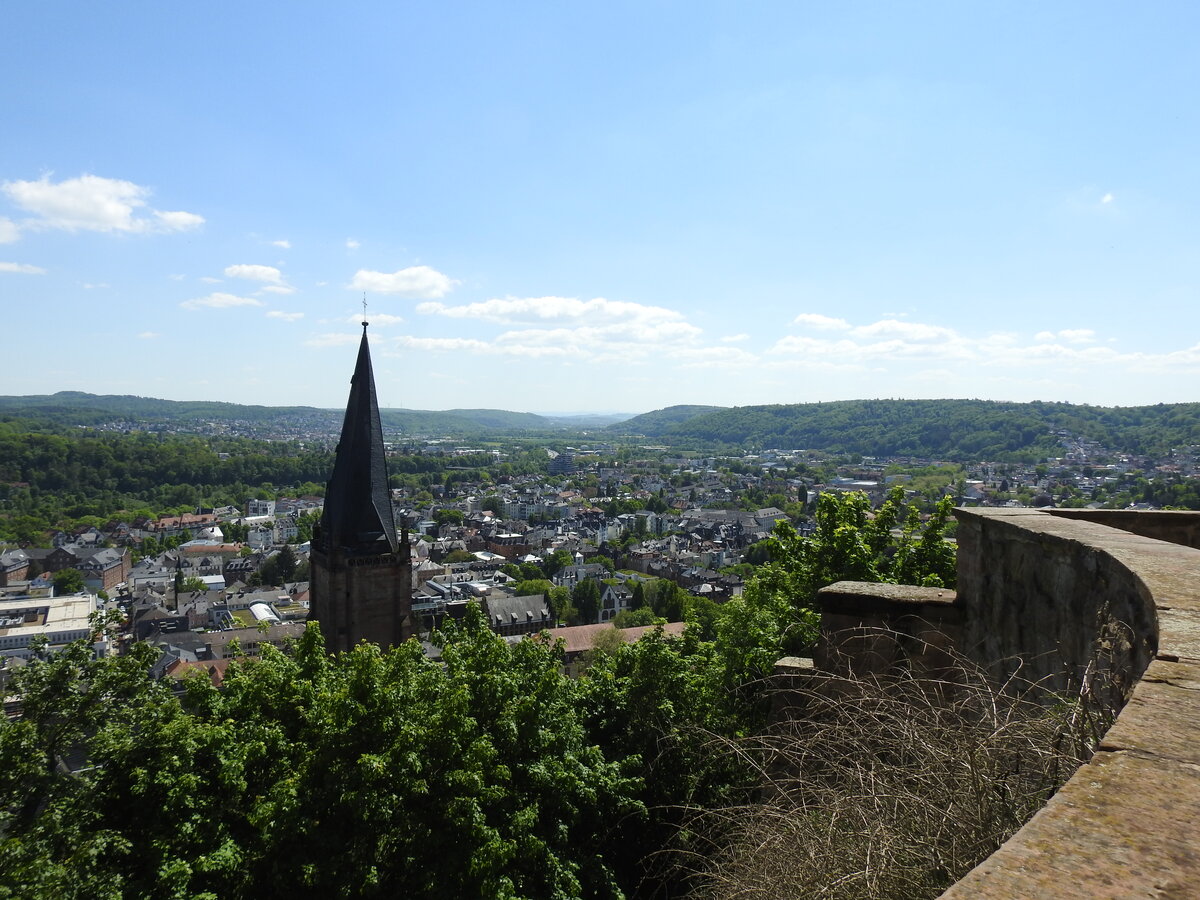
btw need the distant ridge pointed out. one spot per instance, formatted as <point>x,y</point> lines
<point>79,408</point>
<point>661,421</point>
<point>949,429</point>
<point>962,429</point>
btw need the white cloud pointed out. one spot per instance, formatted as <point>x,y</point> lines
<point>905,331</point>
<point>279,289</point>
<point>1078,335</point>
<point>208,279</point>
<point>713,357</point>
<point>1068,335</point>
<point>177,221</point>
<point>541,309</point>
<point>92,203</point>
<point>444,344</point>
<point>265,274</point>
<point>352,244</point>
<point>9,231</point>
<point>1053,357</point>
<point>286,316</point>
<point>1107,198</point>
<point>418,282</point>
<point>177,277</point>
<point>220,301</point>
<point>21,268</point>
<point>88,286</point>
<point>734,338</point>
<point>283,244</point>
<point>334,339</point>
<point>820,322</point>
<point>596,331</point>
<point>149,335</point>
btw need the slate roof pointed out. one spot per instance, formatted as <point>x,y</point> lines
<point>358,508</point>
<point>517,610</point>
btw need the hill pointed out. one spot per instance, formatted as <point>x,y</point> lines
<point>963,429</point>
<point>68,408</point>
<point>661,421</point>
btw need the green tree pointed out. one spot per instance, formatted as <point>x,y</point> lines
<point>366,774</point>
<point>633,618</point>
<point>556,561</point>
<point>585,597</point>
<point>68,581</point>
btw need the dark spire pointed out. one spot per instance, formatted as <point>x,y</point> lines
<point>358,504</point>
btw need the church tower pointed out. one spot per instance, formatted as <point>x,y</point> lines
<point>361,573</point>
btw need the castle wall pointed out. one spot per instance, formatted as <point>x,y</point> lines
<point>1127,823</point>
<point>1043,588</point>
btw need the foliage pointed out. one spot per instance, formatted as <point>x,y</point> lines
<point>448,517</point>
<point>585,597</point>
<point>369,774</point>
<point>532,586</point>
<point>68,581</point>
<point>376,773</point>
<point>556,561</point>
<point>958,429</point>
<point>634,618</point>
<point>776,614</point>
<point>658,703</point>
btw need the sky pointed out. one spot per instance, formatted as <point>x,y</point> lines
<point>601,207</point>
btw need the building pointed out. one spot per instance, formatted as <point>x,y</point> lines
<point>60,620</point>
<point>361,575</point>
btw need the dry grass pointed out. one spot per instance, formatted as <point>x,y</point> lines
<point>889,787</point>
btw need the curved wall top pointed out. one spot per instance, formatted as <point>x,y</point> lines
<point>1044,586</point>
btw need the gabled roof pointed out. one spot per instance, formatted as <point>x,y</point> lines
<point>358,505</point>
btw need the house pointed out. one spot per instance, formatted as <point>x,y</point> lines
<point>105,568</point>
<point>517,615</point>
<point>14,566</point>
<point>579,639</point>
<point>613,599</point>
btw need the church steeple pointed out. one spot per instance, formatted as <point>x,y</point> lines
<point>360,586</point>
<point>358,504</point>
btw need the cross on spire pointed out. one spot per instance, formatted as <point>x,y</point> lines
<point>364,321</point>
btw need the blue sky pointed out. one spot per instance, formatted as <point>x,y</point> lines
<point>601,207</point>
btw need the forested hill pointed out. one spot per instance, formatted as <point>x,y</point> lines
<point>981,429</point>
<point>68,408</point>
<point>661,421</point>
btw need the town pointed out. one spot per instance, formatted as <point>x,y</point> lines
<point>579,539</point>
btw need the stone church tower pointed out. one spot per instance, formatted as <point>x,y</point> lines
<point>361,573</point>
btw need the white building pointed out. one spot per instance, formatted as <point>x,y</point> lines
<point>60,619</point>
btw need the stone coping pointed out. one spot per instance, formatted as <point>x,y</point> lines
<point>1127,823</point>
<point>899,594</point>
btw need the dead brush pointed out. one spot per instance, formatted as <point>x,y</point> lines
<point>889,786</point>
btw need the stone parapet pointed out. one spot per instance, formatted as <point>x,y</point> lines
<point>1171,525</point>
<point>870,629</point>
<point>1044,588</point>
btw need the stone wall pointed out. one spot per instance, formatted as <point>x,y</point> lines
<point>1173,526</point>
<point>1038,591</point>
<point>869,629</point>
<point>1127,824</point>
